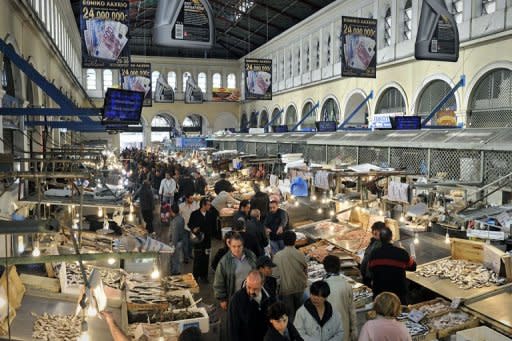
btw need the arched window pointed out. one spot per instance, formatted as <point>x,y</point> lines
<point>275,122</point>
<point>244,123</point>
<point>291,117</point>
<point>391,101</point>
<point>193,124</point>
<point>217,80</point>
<point>263,118</point>
<point>253,120</point>
<point>231,81</point>
<point>387,27</point>
<point>107,79</point>
<point>431,95</point>
<point>309,122</point>
<point>162,126</point>
<point>330,111</point>
<point>457,10</point>
<point>201,81</point>
<point>185,78</point>
<point>171,79</point>
<point>488,7</point>
<point>490,104</point>
<point>360,118</point>
<point>154,80</point>
<point>407,30</point>
<point>91,79</point>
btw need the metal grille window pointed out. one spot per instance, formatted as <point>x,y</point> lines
<point>457,8</point>
<point>391,101</point>
<point>291,116</point>
<point>91,79</point>
<point>216,80</point>
<point>309,122</point>
<point>154,79</point>
<point>407,31</point>
<point>185,78</point>
<point>317,54</point>
<point>231,81</point>
<point>328,50</point>
<point>488,7</point>
<point>107,79</point>
<point>201,81</point>
<point>263,118</point>
<point>491,101</point>
<point>171,79</point>
<point>433,93</point>
<point>330,110</point>
<point>387,27</point>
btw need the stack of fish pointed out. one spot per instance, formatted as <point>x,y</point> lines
<point>110,277</point>
<point>434,308</point>
<point>180,282</point>
<point>316,271</point>
<point>413,328</point>
<point>466,275</point>
<point>450,320</point>
<point>362,296</point>
<point>141,289</point>
<point>50,327</point>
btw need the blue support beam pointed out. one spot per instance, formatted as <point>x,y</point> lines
<point>353,113</point>
<point>278,115</point>
<point>71,125</point>
<point>51,90</point>
<point>461,83</point>
<point>306,116</point>
<point>82,112</point>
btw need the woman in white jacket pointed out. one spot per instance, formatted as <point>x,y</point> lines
<point>316,320</point>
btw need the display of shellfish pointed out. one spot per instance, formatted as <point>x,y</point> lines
<point>56,327</point>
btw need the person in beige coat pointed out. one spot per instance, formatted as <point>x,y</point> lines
<point>341,297</point>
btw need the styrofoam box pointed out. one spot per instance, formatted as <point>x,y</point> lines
<point>202,323</point>
<point>185,293</point>
<point>481,334</point>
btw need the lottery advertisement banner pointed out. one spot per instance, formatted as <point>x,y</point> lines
<point>359,47</point>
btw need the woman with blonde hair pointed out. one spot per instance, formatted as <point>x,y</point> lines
<point>385,327</point>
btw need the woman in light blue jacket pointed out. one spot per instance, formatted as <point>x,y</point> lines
<point>316,320</point>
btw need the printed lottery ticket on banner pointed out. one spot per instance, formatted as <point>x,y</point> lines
<point>137,83</point>
<point>359,51</point>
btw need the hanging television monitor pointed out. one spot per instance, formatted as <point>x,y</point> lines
<point>122,107</point>
<point>407,122</point>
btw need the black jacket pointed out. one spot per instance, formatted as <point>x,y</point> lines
<point>218,256</point>
<point>251,243</point>
<point>274,335</point>
<point>261,201</point>
<point>247,320</point>
<point>271,286</point>
<point>206,226</point>
<point>256,228</point>
<point>223,185</point>
<point>367,278</point>
<point>199,185</point>
<point>147,201</point>
<point>387,265</point>
<point>186,186</point>
<point>274,220</point>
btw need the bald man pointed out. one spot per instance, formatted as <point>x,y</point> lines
<point>247,320</point>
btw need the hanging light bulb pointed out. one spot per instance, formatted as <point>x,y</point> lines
<point>331,213</point>
<point>91,310</point>
<point>155,274</point>
<point>296,204</point>
<point>447,238</point>
<point>381,212</point>
<point>120,182</point>
<point>21,245</point>
<point>320,211</point>
<point>402,218</point>
<point>313,197</point>
<point>130,218</point>
<point>111,261</point>
<point>292,197</point>
<point>36,252</point>
<point>100,212</point>
<point>416,239</point>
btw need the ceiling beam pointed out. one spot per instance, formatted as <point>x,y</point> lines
<point>233,50</point>
<point>231,26</point>
<point>264,4</point>
<point>311,4</point>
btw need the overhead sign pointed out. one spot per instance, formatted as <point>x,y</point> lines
<point>137,77</point>
<point>258,79</point>
<point>359,47</point>
<point>104,33</point>
<point>225,95</point>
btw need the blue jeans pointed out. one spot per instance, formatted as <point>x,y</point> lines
<point>276,245</point>
<point>175,258</point>
<point>169,200</point>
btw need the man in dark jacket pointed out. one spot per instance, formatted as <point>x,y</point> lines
<point>260,201</point>
<point>223,184</point>
<point>201,225</point>
<point>176,237</point>
<point>374,244</point>
<point>388,264</point>
<point>255,227</point>
<point>250,240</point>
<point>264,265</point>
<point>243,211</point>
<point>200,184</point>
<point>186,185</point>
<point>247,320</point>
<point>147,204</point>
<point>275,224</point>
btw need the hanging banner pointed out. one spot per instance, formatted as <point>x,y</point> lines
<point>359,47</point>
<point>104,33</point>
<point>225,95</point>
<point>137,77</point>
<point>258,79</point>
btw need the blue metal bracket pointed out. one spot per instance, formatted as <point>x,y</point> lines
<point>71,125</point>
<point>278,115</point>
<point>353,113</point>
<point>461,83</point>
<point>306,116</point>
<point>84,112</point>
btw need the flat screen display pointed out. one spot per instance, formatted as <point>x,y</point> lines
<point>323,126</point>
<point>407,122</point>
<point>122,107</point>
